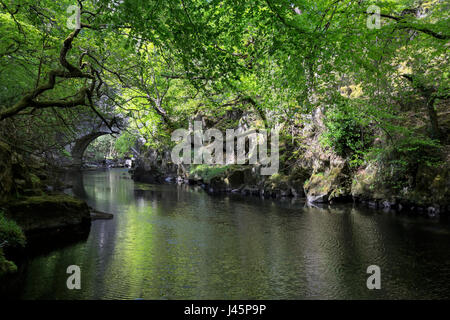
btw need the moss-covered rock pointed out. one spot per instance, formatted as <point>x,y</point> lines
<point>432,185</point>
<point>428,187</point>
<point>327,186</point>
<point>11,235</point>
<point>236,179</point>
<point>206,173</point>
<point>366,185</point>
<point>224,178</point>
<point>154,167</point>
<point>49,211</point>
<point>297,178</point>
<point>277,185</point>
<point>16,177</point>
<point>6,266</point>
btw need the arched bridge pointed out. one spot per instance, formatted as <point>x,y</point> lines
<point>87,132</point>
<point>81,145</point>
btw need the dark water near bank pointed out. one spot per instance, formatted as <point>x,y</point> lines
<point>176,242</point>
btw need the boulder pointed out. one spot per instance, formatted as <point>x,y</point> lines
<point>366,186</point>
<point>153,167</point>
<point>17,175</point>
<point>277,185</point>
<point>327,186</point>
<point>37,213</point>
<point>430,186</point>
<point>236,179</point>
<point>99,215</point>
<point>5,265</point>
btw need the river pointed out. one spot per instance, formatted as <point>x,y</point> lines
<point>177,242</point>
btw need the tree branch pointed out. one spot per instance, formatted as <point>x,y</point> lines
<point>30,100</point>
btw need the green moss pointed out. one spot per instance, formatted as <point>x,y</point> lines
<point>47,211</point>
<point>208,172</point>
<point>332,183</point>
<point>277,183</point>
<point>276,177</point>
<point>35,180</point>
<point>143,186</point>
<point>48,199</point>
<point>5,265</point>
<point>10,233</point>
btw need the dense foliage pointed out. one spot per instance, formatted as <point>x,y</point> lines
<point>158,64</point>
<point>10,233</point>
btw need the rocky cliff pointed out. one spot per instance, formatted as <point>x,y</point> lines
<point>317,173</point>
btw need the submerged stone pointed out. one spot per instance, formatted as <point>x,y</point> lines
<point>99,215</point>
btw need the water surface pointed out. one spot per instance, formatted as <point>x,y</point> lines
<point>177,242</point>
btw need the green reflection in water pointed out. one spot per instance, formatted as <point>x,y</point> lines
<point>176,242</point>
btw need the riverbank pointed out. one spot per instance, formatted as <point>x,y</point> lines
<point>30,219</point>
<point>321,188</point>
<point>410,176</point>
<point>33,205</point>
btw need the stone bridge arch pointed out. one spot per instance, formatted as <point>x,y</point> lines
<point>87,130</point>
<point>81,145</point>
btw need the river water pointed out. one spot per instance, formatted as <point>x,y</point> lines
<point>177,242</point>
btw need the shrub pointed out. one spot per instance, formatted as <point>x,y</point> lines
<point>207,172</point>
<point>402,160</point>
<point>345,131</point>
<point>10,233</point>
<point>124,143</point>
<point>5,265</point>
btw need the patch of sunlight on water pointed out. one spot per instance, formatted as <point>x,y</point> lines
<point>177,242</point>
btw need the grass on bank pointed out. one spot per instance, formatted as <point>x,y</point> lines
<point>11,235</point>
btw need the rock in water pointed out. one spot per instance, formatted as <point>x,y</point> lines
<point>97,215</point>
<point>48,212</point>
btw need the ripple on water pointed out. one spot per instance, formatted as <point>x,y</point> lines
<point>169,242</point>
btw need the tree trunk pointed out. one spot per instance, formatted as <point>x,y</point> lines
<point>432,114</point>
